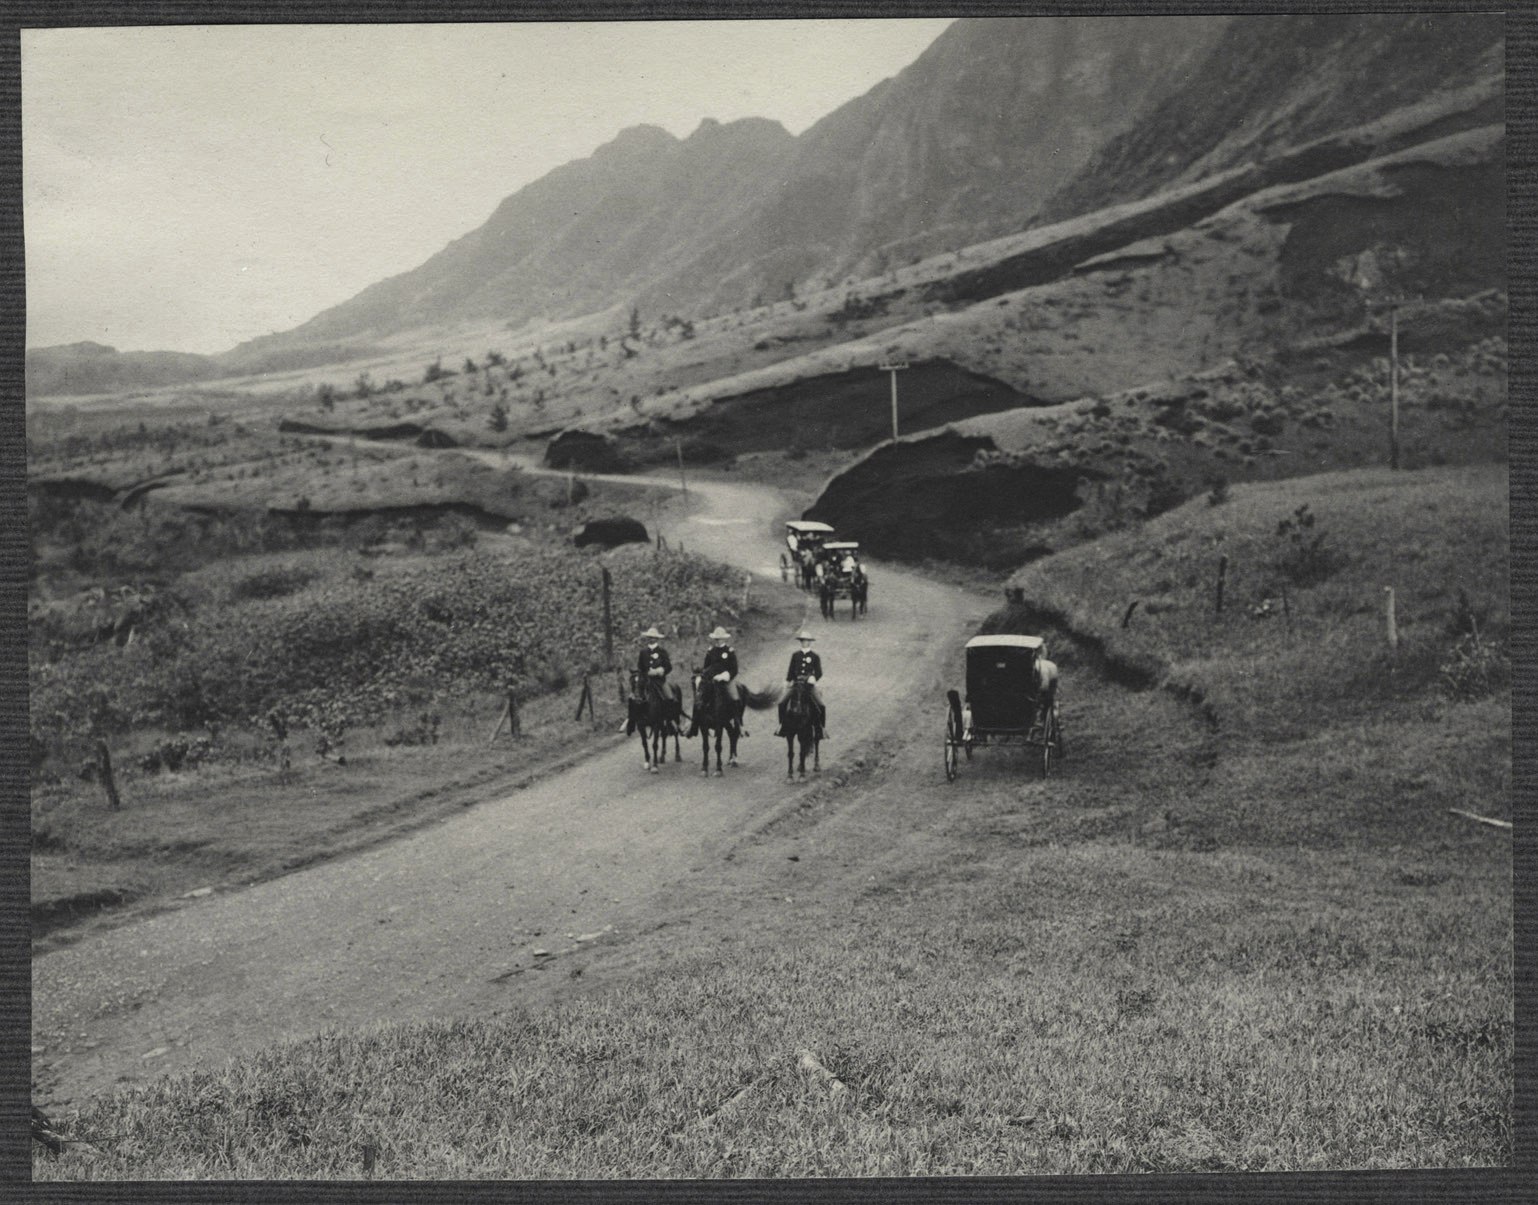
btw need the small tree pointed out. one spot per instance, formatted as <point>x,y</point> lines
<point>364,385</point>
<point>471,366</point>
<point>635,322</point>
<point>326,396</point>
<point>496,359</point>
<point>498,420</point>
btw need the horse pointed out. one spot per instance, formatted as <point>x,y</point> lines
<point>652,715</point>
<point>807,560</point>
<point>800,723</point>
<point>859,591</point>
<point>716,710</point>
<point>827,595</point>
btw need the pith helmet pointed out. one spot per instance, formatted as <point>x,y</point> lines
<point>720,633</point>
<point>651,633</point>
<point>803,634</point>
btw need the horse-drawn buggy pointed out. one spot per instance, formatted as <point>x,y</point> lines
<point>804,539</point>
<point>840,575</point>
<point>1011,699</point>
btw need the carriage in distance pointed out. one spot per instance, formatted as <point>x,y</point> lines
<point>803,539</point>
<point>836,581</point>
<point>1006,702</point>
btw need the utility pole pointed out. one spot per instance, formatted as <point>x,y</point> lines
<point>894,367</point>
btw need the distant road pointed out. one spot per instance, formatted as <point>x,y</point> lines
<point>444,922</point>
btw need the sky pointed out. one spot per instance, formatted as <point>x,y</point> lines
<point>186,188</point>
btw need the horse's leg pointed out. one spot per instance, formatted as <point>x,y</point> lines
<point>790,757</point>
<point>816,754</point>
<point>718,752</point>
<point>732,735</point>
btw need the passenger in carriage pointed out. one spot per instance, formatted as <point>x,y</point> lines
<point>804,662</point>
<point>848,565</point>
<point>721,665</point>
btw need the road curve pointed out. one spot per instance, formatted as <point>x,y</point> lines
<point>444,921</point>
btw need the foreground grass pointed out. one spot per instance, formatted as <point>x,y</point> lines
<point>1201,1013</point>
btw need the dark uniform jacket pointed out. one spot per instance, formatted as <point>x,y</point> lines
<point>719,659</point>
<point>650,658</point>
<point>808,663</point>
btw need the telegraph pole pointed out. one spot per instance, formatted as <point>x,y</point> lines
<point>894,368</point>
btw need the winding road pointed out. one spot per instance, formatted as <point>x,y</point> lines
<point>444,922</point>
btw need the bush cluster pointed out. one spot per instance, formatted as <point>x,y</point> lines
<point>345,650</point>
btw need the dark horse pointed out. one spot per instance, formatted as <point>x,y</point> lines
<point>827,595</point>
<point>654,716</point>
<point>716,711</point>
<point>800,723</point>
<point>806,560</point>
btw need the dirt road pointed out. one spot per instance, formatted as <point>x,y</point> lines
<point>445,922</point>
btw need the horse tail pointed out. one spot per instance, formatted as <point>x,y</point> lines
<point>762,700</point>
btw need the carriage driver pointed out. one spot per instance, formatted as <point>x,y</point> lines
<point>804,662</point>
<point>1046,687</point>
<point>721,664</point>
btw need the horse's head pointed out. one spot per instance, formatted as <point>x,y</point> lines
<point>799,698</point>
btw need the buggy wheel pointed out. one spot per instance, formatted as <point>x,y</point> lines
<point>953,741</point>
<point>1051,743</point>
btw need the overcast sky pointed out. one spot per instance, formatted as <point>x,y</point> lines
<point>187,188</point>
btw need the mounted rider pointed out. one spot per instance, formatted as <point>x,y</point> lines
<point>721,667</point>
<point>653,666</point>
<point>804,663</point>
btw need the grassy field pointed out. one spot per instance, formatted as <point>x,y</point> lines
<point>1244,939</point>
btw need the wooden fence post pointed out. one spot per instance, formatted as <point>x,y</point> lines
<point>509,717</point>
<point>608,623</point>
<point>1222,574</point>
<point>1389,617</point>
<point>104,763</point>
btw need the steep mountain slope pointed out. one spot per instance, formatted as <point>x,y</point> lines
<point>964,144</point>
<point>1010,107</point>
<point>1278,81</point>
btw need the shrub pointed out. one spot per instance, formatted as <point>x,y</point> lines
<point>1475,668</point>
<point>1306,561</point>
